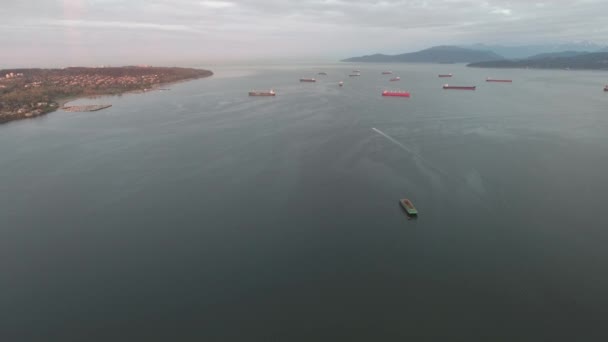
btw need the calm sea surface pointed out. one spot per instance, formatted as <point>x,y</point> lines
<point>201,214</point>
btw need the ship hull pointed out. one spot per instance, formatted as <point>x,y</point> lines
<point>261,94</point>
<point>396,93</point>
<point>408,206</point>
<point>460,87</point>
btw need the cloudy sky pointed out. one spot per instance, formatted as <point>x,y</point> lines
<point>92,32</point>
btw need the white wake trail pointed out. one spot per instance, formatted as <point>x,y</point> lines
<point>393,140</point>
<point>410,151</point>
<point>424,163</point>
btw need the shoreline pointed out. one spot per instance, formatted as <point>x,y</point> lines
<point>61,102</point>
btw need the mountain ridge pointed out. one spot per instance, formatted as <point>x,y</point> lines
<point>560,54</point>
<point>436,54</point>
<point>529,50</point>
<point>587,61</point>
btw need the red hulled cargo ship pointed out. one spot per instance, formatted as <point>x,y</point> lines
<point>396,93</point>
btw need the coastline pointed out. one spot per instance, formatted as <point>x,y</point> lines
<point>61,102</point>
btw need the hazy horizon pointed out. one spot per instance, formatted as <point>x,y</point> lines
<point>187,32</point>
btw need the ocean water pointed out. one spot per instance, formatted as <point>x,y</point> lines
<point>201,214</point>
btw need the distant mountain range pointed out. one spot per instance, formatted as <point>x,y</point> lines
<point>583,55</point>
<point>526,51</point>
<point>559,54</point>
<point>437,54</point>
<point>595,61</point>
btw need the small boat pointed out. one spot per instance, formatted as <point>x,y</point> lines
<point>353,75</point>
<point>340,83</point>
<point>495,80</point>
<point>606,87</point>
<point>307,80</point>
<point>395,79</point>
<point>262,93</point>
<point>409,207</point>
<point>396,93</point>
<point>447,86</point>
<point>322,73</point>
<point>387,72</point>
<point>445,75</point>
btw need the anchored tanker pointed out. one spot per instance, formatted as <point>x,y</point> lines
<point>396,93</point>
<point>447,86</point>
<point>495,80</point>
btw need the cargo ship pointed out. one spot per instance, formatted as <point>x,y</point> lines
<point>395,79</point>
<point>387,72</point>
<point>262,93</point>
<point>307,80</point>
<point>408,206</point>
<point>445,75</point>
<point>357,71</point>
<point>447,86</point>
<point>396,93</point>
<point>353,75</point>
<point>323,73</point>
<point>495,80</point>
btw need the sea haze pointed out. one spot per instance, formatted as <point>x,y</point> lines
<point>202,214</point>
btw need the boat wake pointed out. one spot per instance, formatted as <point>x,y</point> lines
<point>394,141</point>
<point>423,162</point>
<point>410,151</point>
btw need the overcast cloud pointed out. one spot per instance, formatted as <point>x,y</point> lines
<point>88,32</point>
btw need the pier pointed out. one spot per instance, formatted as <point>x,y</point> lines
<point>87,108</point>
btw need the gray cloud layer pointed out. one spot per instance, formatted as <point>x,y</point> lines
<point>37,32</point>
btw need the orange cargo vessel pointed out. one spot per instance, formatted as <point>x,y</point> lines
<point>396,93</point>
